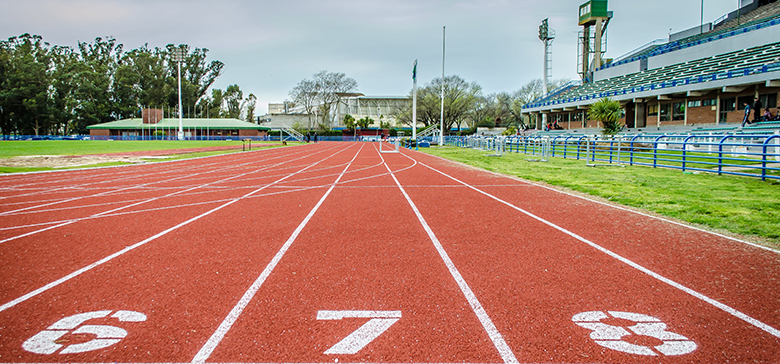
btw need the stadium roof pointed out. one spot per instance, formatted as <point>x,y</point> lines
<point>173,123</point>
<point>745,66</point>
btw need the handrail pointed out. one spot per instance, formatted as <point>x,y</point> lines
<point>736,154</point>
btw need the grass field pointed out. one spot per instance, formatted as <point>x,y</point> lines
<point>11,149</point>
<point>739,205</point>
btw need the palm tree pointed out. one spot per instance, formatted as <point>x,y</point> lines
<point>608,112</point>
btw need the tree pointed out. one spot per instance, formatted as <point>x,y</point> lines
<point>26,86</point>
<point>305,93</point>
<point>329,85</point>
<point>320,95</point>
<point>234,101</point>
<point>608,112</point>
<point>349,122</point>
<point>197,75</point>
<point>365,122</point>
<point>251,104</point>
<point>459,99</point>
<point>95,88</point>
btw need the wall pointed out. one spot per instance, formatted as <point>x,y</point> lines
<point>623,69</point>
<point>746,40</point>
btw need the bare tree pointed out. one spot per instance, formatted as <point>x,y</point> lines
<point>330,84</point>
<point>320,94</point>
<point>459,99</point>
<point>305,94</point>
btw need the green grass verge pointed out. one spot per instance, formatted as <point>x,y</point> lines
<point>9,149</point>
<point>740,205</point>
<point>15,148</point>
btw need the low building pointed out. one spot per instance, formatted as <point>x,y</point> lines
<point>169,128</point>
<point>381,109</point>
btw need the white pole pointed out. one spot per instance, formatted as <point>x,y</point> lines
<point>441,127</point>
<point>414,104</point>
<point>181,127</point>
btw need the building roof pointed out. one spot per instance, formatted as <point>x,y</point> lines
<point>173,123</point>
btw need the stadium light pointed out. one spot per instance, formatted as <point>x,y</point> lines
<point>178,57</point>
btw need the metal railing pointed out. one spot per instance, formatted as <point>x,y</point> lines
<point>750,155</point>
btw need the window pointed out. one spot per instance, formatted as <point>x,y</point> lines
<point>710,102</point>
<point>652,110</point>
<point>768,100</point>
<point>728,104</point>
<point>665,112</point>
<point>679,111</point>
<point>696,103</point>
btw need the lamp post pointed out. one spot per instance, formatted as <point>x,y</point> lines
<point>178,57</point>
<point>441,126</point>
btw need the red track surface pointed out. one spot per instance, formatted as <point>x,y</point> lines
<point>334,252</point>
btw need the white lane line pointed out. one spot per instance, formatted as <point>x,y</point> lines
<point>769,329</point>
<point>154,198</point>
<point>231,318</point>
<point>484,319</point>
<point>129,248</point>
<point>114,191</point>
<point>531,183</point>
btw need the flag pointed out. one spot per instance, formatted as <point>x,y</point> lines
<point>414,71</point>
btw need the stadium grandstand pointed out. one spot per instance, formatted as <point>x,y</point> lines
<point>699,79</point>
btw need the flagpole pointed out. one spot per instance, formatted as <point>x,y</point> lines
<point>441,131</point>
<point>414,105</point>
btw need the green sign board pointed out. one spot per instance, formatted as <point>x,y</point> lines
<point>591,10</point>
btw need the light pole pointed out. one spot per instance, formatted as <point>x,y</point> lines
<point>441,131</point>
<point>414,105</point>
<point>178,57</point>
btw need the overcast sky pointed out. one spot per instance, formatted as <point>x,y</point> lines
<point>269,46</point>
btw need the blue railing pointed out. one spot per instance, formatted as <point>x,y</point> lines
<point>750,155</point>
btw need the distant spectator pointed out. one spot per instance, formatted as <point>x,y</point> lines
<point>315,136</point>
<point>757,110</point>
<point>747,115</point>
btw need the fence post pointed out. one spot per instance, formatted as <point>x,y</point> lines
<point>777,143</point>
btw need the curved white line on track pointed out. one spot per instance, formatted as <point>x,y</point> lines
<point>758,324</point>
<point>150,200</point>
<point>231,318</point>
<point>134,246</point>
<point>132,187</point>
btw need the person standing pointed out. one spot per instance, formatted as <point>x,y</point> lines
<point>315,136</point>
<point>757,110</point>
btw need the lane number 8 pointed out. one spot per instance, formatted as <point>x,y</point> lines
<point>610,336</point>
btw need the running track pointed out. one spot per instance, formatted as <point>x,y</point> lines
<point>334,252</point>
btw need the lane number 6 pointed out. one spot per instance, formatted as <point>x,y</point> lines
<point>45,342</point>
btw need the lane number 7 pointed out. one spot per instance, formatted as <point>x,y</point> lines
<point>379,322</point>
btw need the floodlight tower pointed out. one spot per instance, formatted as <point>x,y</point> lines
<point>547,36</point>
<point>592,13</point>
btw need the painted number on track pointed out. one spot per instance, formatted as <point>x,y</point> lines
<point>45,342</point>
<point>610,336</point>
<point>379,322</point>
